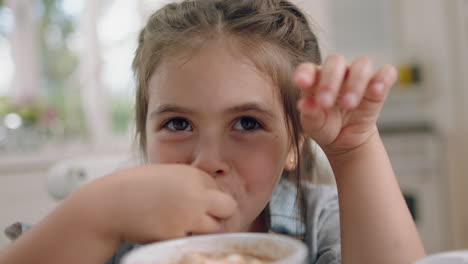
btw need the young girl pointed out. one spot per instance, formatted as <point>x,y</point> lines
<point>229,94</point>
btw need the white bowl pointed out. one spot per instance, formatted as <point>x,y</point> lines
<point>451,257</point>
<point>283,249</point>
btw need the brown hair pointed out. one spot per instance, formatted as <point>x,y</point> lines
<point>274,34</point>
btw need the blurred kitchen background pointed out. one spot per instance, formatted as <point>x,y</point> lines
<point>66,98</point>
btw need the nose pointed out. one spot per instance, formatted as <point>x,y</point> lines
<point>209,157</point>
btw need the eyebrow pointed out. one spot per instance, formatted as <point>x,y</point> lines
<point>245,107</point>
<point>256,107</point>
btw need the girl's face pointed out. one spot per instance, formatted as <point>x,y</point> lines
<point>217,112</point>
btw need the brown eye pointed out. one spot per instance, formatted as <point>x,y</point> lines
<point>247,123</point>
<point>178,124</point>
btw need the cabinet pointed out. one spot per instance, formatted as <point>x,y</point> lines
<point>430,164</point>
<point>419,165</point>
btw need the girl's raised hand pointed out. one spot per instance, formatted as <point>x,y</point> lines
<point>156,202</point>
<point>340,103</point>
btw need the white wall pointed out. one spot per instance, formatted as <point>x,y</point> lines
<point>318,13</point>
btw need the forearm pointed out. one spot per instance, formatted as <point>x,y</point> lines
<point>64,236</point>
<point>376,226</point>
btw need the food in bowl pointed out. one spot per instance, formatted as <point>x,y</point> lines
<point>233,248</point>
<point>223,258</point>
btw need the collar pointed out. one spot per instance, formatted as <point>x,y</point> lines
<point>285,210</point>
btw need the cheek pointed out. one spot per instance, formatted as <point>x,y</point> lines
<point>261,163</point>
<point>258,167</point>
<point>159,151</point>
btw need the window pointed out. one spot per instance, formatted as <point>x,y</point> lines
<point>67,73</point>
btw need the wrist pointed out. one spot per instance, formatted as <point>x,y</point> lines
<point>367,147</point>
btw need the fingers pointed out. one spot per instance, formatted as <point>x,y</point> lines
<point>220,205</point>
<point>306,75</point>
<point>335,83</point>
<point>205,217</point>
<point>331,78</point>
<point>381,83</point>
<point>205,225</point>
<point>354,87</point>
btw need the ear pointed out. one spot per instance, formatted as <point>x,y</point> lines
<point>291,161</point>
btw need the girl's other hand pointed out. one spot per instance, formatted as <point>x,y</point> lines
<point>156,202</point>
<point>340,103</point>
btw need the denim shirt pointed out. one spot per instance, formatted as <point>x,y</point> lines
<point>320,230</point>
